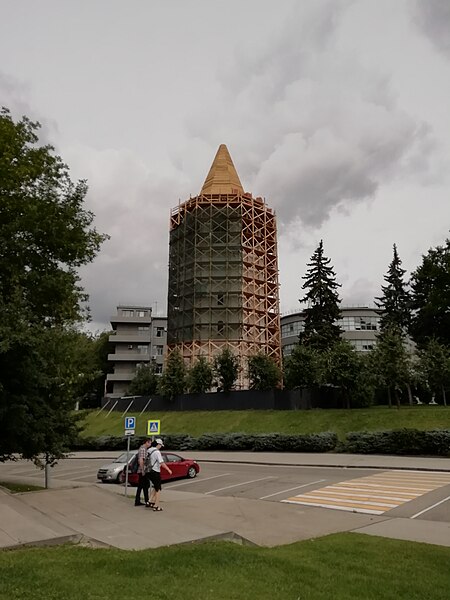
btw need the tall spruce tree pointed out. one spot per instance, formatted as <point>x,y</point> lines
<point>322,313</point>
<point>395,301</point>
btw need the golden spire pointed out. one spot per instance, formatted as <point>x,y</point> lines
<point>222,177</point>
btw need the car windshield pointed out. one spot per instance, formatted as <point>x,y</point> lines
<point>122,458</point>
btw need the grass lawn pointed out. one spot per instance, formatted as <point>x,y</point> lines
<point>16,488</point>
<point>337,567</point>
<point>282,421</point>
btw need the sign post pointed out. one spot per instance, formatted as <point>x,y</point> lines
<point>130,426</point>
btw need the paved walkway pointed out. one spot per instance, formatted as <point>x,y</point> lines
<point>102,516</point>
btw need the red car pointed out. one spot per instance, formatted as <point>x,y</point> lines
<point>180,467</point>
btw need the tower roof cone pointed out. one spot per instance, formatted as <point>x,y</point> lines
<point>222,177</point>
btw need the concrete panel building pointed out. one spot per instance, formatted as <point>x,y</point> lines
<point>223,272</point>
<point>139,339</point>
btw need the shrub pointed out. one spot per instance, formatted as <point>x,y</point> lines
<point>400,441</point>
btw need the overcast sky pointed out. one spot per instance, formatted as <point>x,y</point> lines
<point>337,112</point>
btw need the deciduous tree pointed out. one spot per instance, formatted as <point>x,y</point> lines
<point>172,382</point>
<point>226,369</point>
<point>46,234</point>
<point>263,372</point>
<point>200,376</point>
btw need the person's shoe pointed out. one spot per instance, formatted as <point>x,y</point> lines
<point>138,503</point>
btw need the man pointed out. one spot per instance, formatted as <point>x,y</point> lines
<point>156,462</point>
<point>143,483</point>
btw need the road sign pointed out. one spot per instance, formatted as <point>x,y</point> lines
<point>130,422</point>
<point>129,431</point>
<point>153,427</point>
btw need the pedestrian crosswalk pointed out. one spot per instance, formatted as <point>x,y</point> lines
<point>374,494</point>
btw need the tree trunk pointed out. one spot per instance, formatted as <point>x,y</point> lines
<point>389,397</point>
<point>444,397</point>
<point>397,398</point>
<point>410,396</point>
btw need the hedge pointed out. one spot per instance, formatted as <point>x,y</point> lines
<point>400,441</point>
<point>273,442</point>
<point>395,442</point>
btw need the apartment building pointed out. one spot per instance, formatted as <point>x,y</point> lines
<point>139,339</point>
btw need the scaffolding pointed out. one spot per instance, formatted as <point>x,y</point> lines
<point>223,272</point>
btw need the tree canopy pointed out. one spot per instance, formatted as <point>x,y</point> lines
<point>263,372</point>
<point>145,382</point>
<point>430,284</point>
<point>200,376</point>
<point>172,382</point>
<point>46,234</point>
<point>226,369</point>
<point>322,312</point>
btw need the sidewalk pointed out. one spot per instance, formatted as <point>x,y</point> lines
<point>344,461</point>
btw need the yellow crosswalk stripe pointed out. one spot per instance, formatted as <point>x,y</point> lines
<point>373,494</point>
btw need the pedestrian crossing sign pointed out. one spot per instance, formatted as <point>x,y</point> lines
<point>153,427</point>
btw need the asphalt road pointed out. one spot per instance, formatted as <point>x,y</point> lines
<point>419,495</point>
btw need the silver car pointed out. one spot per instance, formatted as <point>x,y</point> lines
<point>111,473</point>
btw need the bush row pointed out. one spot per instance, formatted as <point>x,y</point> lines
<point>274,442</point>
<point>395,442</point>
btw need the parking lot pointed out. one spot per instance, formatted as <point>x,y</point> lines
<point>393,493</point>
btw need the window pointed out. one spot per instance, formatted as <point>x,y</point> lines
<point>158,369</point>
<point>348,323</point>
<point>159,331</point>
<point>363,345</point>
<point>141,313</point>
<point>220,299</point>
<point>220,327</point>
<point>127,313</point>
<point>143,328</point>
<point>292,329</point>
<point>142,349</point>
<point>159,350</point>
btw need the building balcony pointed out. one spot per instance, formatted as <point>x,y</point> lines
<point>138,320</point>
<point>120,376</point>
<point>129,357</point>
<point>130,338</point>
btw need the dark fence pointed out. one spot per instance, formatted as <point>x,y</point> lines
<point>303,399</point>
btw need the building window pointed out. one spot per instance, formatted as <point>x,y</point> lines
<point>292,329</point>
<point>363,345</point>
<point>158,369</point>
<point>141,313</point>
<point>220,299</point>
<point>160,332</point>
<point>142,349</point>
<point>159,350</point>
<point>220,327</point>
<point>127,313</point>
<point>359,323</point>
<point>143,328</point>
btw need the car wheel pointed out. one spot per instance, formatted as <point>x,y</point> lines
<point>191,472</point>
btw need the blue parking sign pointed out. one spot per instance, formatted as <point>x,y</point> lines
<point>130,422</point>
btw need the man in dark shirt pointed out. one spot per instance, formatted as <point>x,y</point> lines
<point>143,483</point>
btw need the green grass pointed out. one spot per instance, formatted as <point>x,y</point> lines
<point>17,488</point>
<point>337,567</point>
<point>266,421</point>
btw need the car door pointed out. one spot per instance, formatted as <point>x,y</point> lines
<point>175,464</point>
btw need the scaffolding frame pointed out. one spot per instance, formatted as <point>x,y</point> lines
<point>223,279</point>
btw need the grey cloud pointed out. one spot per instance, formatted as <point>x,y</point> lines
<point>433,19</point>
<point>315,128</point>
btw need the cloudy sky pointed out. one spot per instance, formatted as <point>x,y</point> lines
<point>337,112</point>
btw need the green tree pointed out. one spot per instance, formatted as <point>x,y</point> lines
<point>304,368</point>
<point>395,301</point>
<point>434,367</point>
<point>263,372</point>
<point>145,382</point>
<point>200,376</point>
<point>226,369</point>
<point>430,284</point>
<point>345,369</point>
<point>391,363</point>
<point>172,382</point>
<point>320,329</point>
<point>46,235</point>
